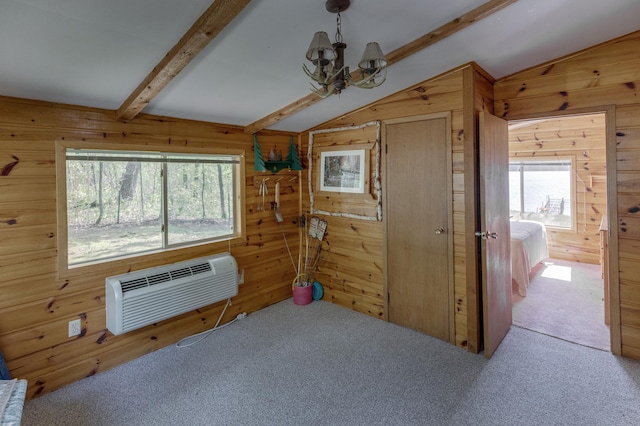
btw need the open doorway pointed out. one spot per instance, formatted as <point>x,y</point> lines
<point>558,180</point>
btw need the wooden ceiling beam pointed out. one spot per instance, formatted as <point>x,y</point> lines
<point>450,28</point>
<point>397,55</point>
<point>205,29</point>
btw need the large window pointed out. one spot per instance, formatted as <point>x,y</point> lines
<point>542,190</point>
<point>123,203</point>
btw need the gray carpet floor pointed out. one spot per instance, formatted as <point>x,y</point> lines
<point>322,364</point>
<point>565,300</point>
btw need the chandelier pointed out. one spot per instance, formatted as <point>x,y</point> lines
<point>330,72</point>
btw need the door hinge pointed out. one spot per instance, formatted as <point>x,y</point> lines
<point>388,297</point>
<point>386,148</point>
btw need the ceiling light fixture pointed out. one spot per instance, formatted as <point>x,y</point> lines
<point>330,72</point>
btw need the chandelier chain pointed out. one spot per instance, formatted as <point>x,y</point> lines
<point>339,28</point>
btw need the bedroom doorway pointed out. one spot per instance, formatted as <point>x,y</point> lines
<point>558,176</point>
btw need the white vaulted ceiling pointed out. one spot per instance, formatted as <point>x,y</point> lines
<point>96,52</point>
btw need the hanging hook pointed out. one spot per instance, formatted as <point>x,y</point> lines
<point>263,191</point>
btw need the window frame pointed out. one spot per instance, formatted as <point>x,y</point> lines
<point>572,181</point>
<point>199,247</point>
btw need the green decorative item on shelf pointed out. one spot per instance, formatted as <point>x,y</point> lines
<point>292,162</point>
<point>292,156</point>
<point>257,156</point>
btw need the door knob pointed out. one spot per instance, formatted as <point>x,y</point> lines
<point>486,235</point>
<point>439,230</point>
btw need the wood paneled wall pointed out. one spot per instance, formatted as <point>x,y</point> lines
<point>351,263</point>
<point>598,78</point>
<point>581,137</point>
<point>352,267</point>
<point>36,305</point>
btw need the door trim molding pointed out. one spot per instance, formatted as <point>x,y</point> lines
<point>449,170</point>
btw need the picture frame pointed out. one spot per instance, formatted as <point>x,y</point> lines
<point>343,171</point>
<point>360,196</point>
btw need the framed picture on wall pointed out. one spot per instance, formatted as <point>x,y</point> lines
<point>343,171</point>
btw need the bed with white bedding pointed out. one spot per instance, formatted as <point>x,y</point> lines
<point>528,248</point>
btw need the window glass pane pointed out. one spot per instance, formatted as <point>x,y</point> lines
<point>116,201</point>
<point>546,192</point>
<point>113,209</point>
<point>200,200</point>
<point>514,193</point>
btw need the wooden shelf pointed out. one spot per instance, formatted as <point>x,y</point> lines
<point>276,166</point>
<point>291,163</point>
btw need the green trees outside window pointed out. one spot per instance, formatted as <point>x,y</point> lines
<point>121,203</point>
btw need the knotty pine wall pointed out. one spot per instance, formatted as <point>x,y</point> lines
<point>36,305</point>
<point>351,270</point>
<point>602,76</point>
<point>351,263</point>
<point>581,137</point>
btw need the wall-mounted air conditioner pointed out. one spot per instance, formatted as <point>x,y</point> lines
<point>140,298</point>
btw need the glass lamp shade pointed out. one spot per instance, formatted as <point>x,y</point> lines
<point>372,58</point>
<point>320,50</point>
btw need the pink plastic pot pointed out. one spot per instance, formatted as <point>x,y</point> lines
<point>302,295</point>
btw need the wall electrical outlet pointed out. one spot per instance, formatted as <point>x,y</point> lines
<point>74,328</point>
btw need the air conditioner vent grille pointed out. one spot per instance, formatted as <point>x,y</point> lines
<point>165,277</point>
<point>179,273</point>
<point>160,278</point>
<point>141,298</point>
<point>134,284</point>
<point>200,268</point>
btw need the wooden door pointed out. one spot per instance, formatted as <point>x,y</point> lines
<point>418,242</point>
<point>494,222</point>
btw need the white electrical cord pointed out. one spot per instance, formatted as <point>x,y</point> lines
<point>206,333</point>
